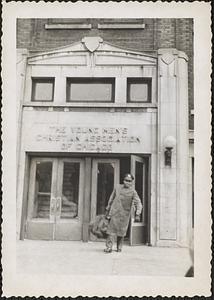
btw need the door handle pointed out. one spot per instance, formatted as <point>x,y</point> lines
<point>52,209</point>
<point>52,206</point>
<point>58,205</point>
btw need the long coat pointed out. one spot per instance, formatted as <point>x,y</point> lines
<point>119,209</point>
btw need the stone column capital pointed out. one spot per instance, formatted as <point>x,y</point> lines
<point>165,53</point>
<point>22,51</point>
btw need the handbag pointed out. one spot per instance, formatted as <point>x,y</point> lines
<point>99,226</point>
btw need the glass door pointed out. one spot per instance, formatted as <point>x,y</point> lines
<point>69,201</point>
<point>55,199</point>
<point>105,176</point>
<point>138,230</point>
<point>41,199</point>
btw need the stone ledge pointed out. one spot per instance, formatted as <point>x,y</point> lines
<point>121,26</point>
<point>68,26</point>
<point>90,105</point>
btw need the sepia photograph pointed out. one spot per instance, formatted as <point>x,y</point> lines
<point>105,149</point>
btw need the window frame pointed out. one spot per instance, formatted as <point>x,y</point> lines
<point>145,80</point>
<point>35,80</point>
<point>102,80</point>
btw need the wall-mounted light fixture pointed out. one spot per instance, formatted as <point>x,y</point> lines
<point>169,143</point>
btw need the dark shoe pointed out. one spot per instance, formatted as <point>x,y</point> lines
<point>107,250</point>
<point>119,250</point>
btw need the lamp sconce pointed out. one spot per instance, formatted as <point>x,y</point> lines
<point>169,143</point>
<point>168,156</point>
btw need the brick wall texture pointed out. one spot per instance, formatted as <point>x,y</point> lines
<point>158,33</point>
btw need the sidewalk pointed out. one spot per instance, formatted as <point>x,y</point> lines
<point>78,258</point>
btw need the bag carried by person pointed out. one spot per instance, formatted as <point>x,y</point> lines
<point>99,226</point>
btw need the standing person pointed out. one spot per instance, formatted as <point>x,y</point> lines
<point>118,212</point>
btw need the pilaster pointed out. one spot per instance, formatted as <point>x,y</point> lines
<point>20,86</point>
<point>172,186</point>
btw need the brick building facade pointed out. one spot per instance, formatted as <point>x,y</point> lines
<point>103,97</point>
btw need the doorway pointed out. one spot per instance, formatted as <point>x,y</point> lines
<point>106,174</point>
<point>57,206</point>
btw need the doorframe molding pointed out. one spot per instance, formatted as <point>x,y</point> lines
<point>24,208</point>
<point>149,192</point>
<point>95,162</point>
<point>86,199</point>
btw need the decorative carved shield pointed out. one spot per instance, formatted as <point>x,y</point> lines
<point>92,43</point>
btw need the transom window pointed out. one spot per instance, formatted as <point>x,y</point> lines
<point>42,89</point>
<point>139,89</point>
<point>90,89</point>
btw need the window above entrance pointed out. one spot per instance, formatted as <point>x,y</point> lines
<point>90,89</point>
<point>139,89</point>
<point>42,89</point>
